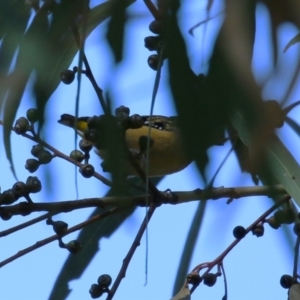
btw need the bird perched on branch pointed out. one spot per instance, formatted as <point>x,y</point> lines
<point>166,154</point>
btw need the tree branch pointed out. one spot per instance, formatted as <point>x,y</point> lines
<point>25,224</point>
<point>25,208</point>
<point>56,237</point>
<point>62,155</point>
<point>220,258</point>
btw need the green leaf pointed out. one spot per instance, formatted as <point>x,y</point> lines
<point>279,161</point>
<point>96,16</point>
<point>13,98</point>
<point>284,167</point>
<point>189,246</point>
<point>48,55</point>
<point>194,106</point>
<point>115,29</point>
<point>89,237</point>
<point>13,22</point>
<point>28,55</point>
<point>184,294</point>
<point>294,292</point>
<point>293,41</point>
<point>63,52</point>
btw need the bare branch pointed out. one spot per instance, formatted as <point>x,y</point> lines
<point>56,237</point>
<point>25,208</point>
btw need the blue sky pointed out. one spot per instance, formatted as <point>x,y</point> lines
<point>253,268</point>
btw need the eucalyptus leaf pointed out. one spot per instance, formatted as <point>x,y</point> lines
<point>89,237</point>
<point>48,56</point>
<point>26,59</point>
<point>115,29</point>
<point>280,162</point>
<point>184,294</point>
<point>293,41</point>
<point>195,106</point>
<point>62,56</point>
<point>284,167</point>
<point>189,246</point>
<point>294,292</point>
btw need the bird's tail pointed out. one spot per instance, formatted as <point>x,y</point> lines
<point>79,124</point>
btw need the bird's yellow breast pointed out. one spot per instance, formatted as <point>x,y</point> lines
<point>166,156</point>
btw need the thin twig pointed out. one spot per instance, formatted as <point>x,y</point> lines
<point>88,71</point>
<point>220,258</point>
<point>225,282</point>
<point>25,224</point>
<point>56,237</point>
<point>62,155</point>
<point>296,257</point>
<point>131,251</point>
<point>153,10</point>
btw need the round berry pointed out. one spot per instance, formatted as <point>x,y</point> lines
<point>5,215</point>
<point>95,291</point>
<point>87,170</point>
<point>239,232</point>
<point>90,136</point>
<point>273,222</point>
<point>67,76</point>
<point>32,165</point>
<point>20,189</point>
<point>59,227</point>
<point>21,125</point>
<point>156,27</point>
<point>152,42</point>
<point>209,279</point>
<point>32,115</point>
<point>36,149</point>
<point>73,246</point>
<point>104,281</point>
<point>77,155</point>
<point>258,230</point>
<point>136,121</point>
<point>286,281</point>
<point>45,157</point>
<point>194,278</point>
<point>153,61</point>
<point>122,110</point>
<point>8,197</point>
<point>33,184</point>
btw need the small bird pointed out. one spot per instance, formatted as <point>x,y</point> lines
<point>166,155</point>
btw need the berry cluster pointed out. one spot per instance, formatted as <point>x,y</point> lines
<point>43,157</point>
<point>19,189</point>
<point>155,43</point>
<point>97,290</point>
<point>99,133</point>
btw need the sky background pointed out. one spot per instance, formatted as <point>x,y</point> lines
<point>253,268</point>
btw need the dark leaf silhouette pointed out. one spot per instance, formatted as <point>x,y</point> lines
<point>89,237</point>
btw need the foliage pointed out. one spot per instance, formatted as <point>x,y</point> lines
<point>224,106</point>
